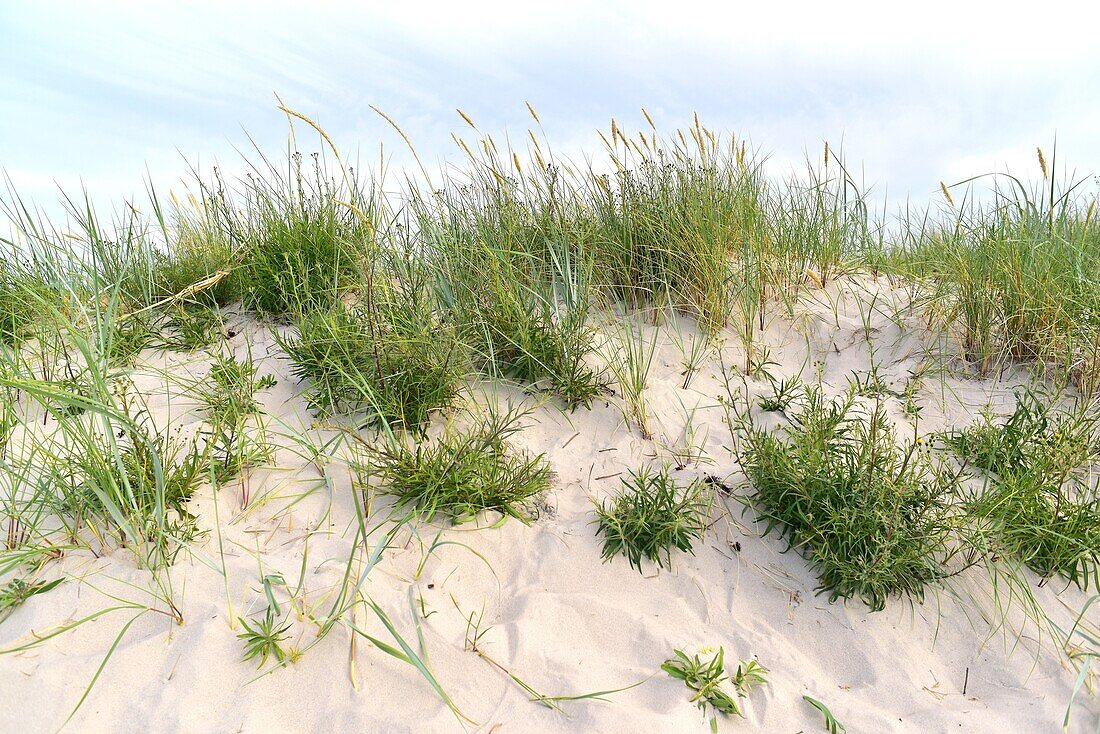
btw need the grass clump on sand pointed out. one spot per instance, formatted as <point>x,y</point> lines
<point>18,312</point>
<point>1015,273</point>
<point>651,515</point>
<point>190,326</point>
<point>674,220</point>
<point>230,399</point>
<point>1038,502</point>
<point>526,333</point>
<point>303,245</point>
<point>139,484</point>
<point>514,274</point>
<point>874,517</point>
<point>463,473</point>
<point>397,361</point>
<point>201,265</point>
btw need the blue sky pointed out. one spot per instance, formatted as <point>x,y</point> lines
<point>917,92</point>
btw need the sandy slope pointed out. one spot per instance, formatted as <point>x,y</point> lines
<point>554,614</point>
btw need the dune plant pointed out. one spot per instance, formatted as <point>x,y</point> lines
<point>874,517</point>
<point>464,472</point>
<point>201,265</point>
<point>106,471</point>
<point>230,396</point>
<point>707,677</point>
<point>784,393</point>
<point>651,515</point>
<point>128,338</point>
<point>831,724</point>
<point>820,224</point>
<point>303,243</point>
<point>671,222</point>
<point>629,353</point>
<point>18,314</point>
<point>237,436</point>
<point>263,637</point>
<point>695,348</point>
<point>1014,272</point>
<point>398,362</point>
<point>474,634</point>
<point>1037,502</point>
<point>515,270</point>
<point>18,590</point>
<point>188,326</point>
<point>536,332</point>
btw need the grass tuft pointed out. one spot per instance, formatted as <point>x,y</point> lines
<point>874,517</point>
<point>651,515</point>
<point>463,473</point>
<point>400,364</point>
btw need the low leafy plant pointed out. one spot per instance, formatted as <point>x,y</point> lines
<point>870,384</point>
<point>263,637</point>
<point>784,392</point>
<point>706,678</point>
<point>230,398</point>
<point>651,515</point>
<point>463,473</point>
<point>874,517</point>
<point>128,338</point>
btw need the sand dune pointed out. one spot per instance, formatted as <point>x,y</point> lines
<point>547,607</point>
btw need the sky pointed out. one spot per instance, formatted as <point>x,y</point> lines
<point>103,95</point>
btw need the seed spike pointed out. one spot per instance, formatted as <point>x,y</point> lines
<point>466,117</point>
<point>533,113</point>
<point>947,194</point>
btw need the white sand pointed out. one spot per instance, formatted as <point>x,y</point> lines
<point>556,616</point>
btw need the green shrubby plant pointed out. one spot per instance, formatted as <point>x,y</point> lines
<point>397,362</point>
<point>237,437</point>
<point>463,473</point>
<point>709,679</point>
<point>1038,502</point>
<point>874,517</point>
<point>651,515</point>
